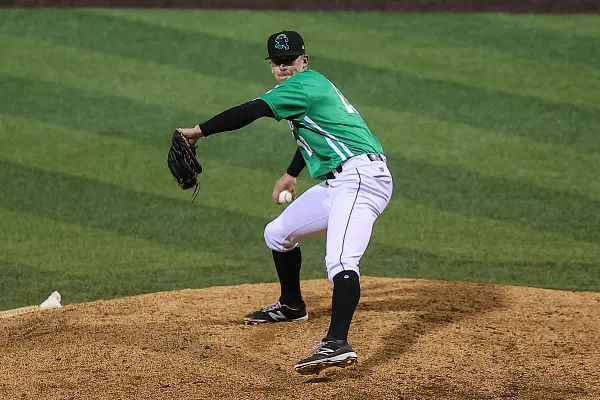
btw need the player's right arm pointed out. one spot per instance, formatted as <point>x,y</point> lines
<point>288,180</point>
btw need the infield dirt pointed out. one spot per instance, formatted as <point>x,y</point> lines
<point>415,339</point>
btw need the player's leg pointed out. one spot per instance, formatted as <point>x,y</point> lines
<point>357,199</point>
<point>362,196</point>
<point>305,217</point>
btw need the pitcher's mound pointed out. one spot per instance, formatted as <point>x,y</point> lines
<point>415,339</point>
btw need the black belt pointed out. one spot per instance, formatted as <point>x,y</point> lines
<point>371,156</point>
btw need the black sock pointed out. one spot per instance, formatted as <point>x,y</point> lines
<point>346,293</point>
<point>288,269</point>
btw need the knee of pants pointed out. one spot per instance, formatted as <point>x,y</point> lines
<point>337,264</point>
<point>275,237</point>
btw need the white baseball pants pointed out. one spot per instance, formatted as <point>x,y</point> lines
<point>345,208</point>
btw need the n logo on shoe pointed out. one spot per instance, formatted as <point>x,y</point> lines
<point>325,350</point>
<point>277,316</point>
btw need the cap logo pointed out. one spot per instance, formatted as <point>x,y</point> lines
<point>282,42</point>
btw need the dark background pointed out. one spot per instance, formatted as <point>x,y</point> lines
<point>515,6</point>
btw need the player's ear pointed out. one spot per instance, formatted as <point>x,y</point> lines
<point>305,62</point>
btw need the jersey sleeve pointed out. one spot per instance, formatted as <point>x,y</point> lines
<point>287,100</point>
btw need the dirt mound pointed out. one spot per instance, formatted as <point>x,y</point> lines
<point>415,339</point>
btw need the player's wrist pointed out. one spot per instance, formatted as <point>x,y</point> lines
<point>198,131</point>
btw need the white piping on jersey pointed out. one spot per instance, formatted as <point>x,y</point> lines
<point>328,137</point>
<point>346,149</point>
<point>276,86</point>
<point>303,143</point>
<point>337,151</point>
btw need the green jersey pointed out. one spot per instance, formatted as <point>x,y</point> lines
<point>327,128</point>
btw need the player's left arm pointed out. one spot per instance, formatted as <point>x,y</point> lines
<point>230,120</point>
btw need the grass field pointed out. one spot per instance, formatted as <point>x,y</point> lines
<point>491,124</point>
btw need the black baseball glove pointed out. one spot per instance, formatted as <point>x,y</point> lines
<point>183,163</point>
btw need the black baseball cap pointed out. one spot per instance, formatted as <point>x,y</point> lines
<point>285,43</point>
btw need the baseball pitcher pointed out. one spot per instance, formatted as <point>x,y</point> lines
<point>355,186</point>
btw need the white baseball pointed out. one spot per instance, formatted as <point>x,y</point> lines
<point>285,196</point>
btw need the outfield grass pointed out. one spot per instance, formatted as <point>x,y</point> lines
<point>490,123</point>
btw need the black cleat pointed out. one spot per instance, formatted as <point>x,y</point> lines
<point>277,312</point>
<point>328,353</point>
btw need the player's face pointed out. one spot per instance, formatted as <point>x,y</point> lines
<point>285,66</point>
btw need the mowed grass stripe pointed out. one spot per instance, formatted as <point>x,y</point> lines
<point>121,117</point>
<point>475,194</point>
<point>485,31</point>
<point>486,109</point>
<point>23,285</point>
<point>453,236</point>
<point>97,205</point>
<point>173,223</point>
<point>114,116</point>
<point>47,244</point>
<point>151,218</point>
<point>413,55</point>
<point>82,154</point>
<point>437,142</point>
<point>471,67</point>
<point>489,110</point>
<point>130,39</point>
<point>384,258</point>
<point>132,79</point>
<point>479,195</point>
<point>565,275</point>
<point>110,160</point>
<point>41,255</point>
<point>445,188</point>
<point>161,224</point>
<point>583,25</point>
<point>143,81</point>
<point>151,124</point>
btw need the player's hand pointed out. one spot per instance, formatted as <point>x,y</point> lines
<point>193,134</point>
<point>286,182</point>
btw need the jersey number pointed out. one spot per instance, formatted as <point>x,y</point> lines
<point>349,107</point>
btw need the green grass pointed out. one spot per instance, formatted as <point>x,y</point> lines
<point>490,123</point>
